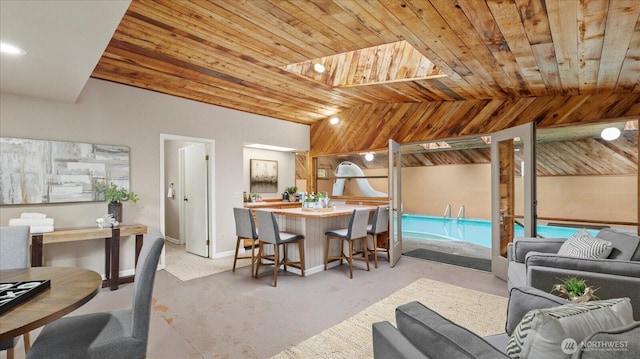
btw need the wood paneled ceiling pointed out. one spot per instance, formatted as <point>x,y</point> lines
<point>558,153</point>
<point>231,53</point>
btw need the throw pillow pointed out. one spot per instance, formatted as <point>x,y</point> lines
<point>583,245</point>
<point>555,333</point>
<point>625,245</point>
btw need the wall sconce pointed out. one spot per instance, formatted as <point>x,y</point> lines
<point>334,120</point>
<point>171,193</point>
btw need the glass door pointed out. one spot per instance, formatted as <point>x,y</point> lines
<point>513,190</point>
<point>395,203</point>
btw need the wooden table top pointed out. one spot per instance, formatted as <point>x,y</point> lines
<point>70,289</point>
<point>90,232</point>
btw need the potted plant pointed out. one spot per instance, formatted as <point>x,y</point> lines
<point>291,191</point>
<point>115,196</point>
<point>575,290</point>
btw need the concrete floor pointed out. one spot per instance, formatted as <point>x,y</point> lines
<point>231,315</point>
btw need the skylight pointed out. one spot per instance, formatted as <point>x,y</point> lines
<point>394,62</point>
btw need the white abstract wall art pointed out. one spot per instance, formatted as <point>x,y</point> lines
<point>43,171</point>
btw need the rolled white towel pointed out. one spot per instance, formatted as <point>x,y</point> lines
<point>40,229</point>
<point>33,215</point>
<point>31,222</point>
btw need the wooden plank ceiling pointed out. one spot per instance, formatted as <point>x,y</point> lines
<point>411,70</point>
<point>230,52</point>
<point>581,152</point>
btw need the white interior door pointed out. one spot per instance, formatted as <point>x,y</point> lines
<point>395,203</point>
<point>504,214</point>
<point>195,199</point>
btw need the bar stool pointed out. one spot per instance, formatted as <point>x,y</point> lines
<point>357,231</point>
<point>245,229</point>
<point>379,224</point>
<point>271,234</point>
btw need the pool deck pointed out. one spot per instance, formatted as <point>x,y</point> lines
<point>451,247</point>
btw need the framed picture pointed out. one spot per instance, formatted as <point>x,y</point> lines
<point>42,171</point>
<point>264,176</point>
<point>324,171</point>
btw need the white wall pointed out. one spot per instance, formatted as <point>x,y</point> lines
<point>286,169</point>
<point>110,113</point>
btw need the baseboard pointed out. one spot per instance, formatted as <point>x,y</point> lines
<point>172,240</point>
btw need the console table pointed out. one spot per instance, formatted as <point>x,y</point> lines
<point>111,238</point>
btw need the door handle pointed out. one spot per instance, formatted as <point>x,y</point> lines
<point>186,199</point>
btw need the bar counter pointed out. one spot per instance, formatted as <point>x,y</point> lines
<point>313,225</point>
<point>271,204</point>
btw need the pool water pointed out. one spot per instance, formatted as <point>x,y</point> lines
<point>469,230</point>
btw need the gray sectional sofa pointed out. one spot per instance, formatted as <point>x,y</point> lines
<point>534,262</point>
<point>423,333</point>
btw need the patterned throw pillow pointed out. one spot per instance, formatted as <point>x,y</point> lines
<point>555,333</point>
<point>583,245</point>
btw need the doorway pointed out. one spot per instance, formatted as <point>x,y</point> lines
<point>504,145</point>
<point>173,223</point>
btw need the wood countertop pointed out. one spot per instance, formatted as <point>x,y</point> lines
<point>271,204</point>
<point>335,211</point>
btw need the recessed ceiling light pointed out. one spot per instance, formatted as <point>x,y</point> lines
<point>369,157</point>
<point>11,49</point>
<point>334,120</point>
<point>270,147</point>
<point>319,68</point>
<point>610,133</point>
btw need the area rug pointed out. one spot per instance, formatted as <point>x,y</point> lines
<point>187,266</point>
<point>482,313</point>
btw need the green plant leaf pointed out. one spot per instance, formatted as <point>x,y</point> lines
<point>116,194</point>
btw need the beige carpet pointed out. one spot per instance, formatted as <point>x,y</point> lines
<point>186,266</point>
<point>482,313</point>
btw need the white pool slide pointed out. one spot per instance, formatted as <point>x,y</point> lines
<point>350,169</point>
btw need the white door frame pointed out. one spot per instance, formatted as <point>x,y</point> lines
<point>527,134</point>
<point>395,203</point>
<point>163,189</point>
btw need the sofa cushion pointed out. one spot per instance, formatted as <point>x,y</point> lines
<point>625,245</point>
<point>617,343</point>
<point>388,342</point>
<point>548,333</point>
<point>438,337</point>
<point>583,245</point>
<point>516,274</point>
<point>524,299</point>
<point>523,245</point>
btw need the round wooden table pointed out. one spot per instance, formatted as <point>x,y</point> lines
<point>70,289</point>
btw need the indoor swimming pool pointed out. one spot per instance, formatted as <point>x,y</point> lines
<point>475,231</point>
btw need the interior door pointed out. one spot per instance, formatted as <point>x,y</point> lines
<point>196,199</point>
<point>395,203</point>
<point>513,190</point>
